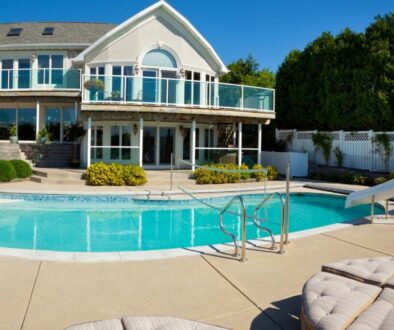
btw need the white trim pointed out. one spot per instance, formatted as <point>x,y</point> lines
<point>239,144</point>
<point>161,4</point>
<point>42,46</point>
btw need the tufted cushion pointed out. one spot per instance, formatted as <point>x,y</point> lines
<point>378,316</point>
<point>390,283</point>
<point>98,325</point>
<point>375,271</point>
<point>164,323</point>
<point>333,302</point>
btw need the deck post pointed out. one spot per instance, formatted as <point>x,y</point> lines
<point>259,143</point>
<point>193,145</point>
<point>89,155</point>
<point>239,144</point>
<point>37,117</point>
<point>141,142</point>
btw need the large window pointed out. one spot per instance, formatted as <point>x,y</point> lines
<point>7,74</point>
<point>7,119</point>
<point>97,73</point>
<point>120,83</point>
<point>24,73</point>
<point>50,69</point>
<point>27,124</point>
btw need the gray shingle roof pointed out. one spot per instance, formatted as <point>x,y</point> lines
<point>64,33</point>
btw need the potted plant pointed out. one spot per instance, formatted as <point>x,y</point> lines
<point>74,133</point>
<point>94,85</point>
<point>12,133</point>
<point>43,136</point>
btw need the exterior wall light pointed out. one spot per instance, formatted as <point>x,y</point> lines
<point>135,129</point>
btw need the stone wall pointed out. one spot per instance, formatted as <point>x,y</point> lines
<point>51,155</point>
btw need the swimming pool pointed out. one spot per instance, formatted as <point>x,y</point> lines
<point>121,223</point>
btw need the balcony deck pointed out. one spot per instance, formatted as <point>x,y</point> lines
<point>176,96</point>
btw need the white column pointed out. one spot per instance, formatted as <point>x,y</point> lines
<point>239,144</point>
<point>193,145</point>
<point>141,141</point>
<point>37,116</point>
<point>89,141</point>
<point>259,142</point>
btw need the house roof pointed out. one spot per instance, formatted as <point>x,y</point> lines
<point>69,33</point>
<point>145,13</point>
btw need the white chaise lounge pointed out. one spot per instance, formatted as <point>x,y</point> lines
<point>356,294</point>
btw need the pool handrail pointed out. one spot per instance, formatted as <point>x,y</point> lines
<point>283,227</point>
<point>225,231</point>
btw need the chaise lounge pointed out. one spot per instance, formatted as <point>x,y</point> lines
<point>356,294</point>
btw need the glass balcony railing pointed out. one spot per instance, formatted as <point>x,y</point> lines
<point>175,92</point>
<point>40,79</point>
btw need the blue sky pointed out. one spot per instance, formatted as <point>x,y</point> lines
<point>266,29</point>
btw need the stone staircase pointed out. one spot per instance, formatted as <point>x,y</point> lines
<point>9,151</point>
<point>58,176</point>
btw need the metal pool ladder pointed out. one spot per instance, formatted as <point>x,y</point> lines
<point>243,216</point>
<point>284,220</point>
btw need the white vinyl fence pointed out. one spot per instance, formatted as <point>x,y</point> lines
<point>357,147</point>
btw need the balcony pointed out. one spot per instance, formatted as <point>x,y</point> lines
<point>40,80</point>
<point>175,93</point>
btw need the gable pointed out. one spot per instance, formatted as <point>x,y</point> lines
<point>156,27</point>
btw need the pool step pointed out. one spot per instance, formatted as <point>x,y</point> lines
<point>58,176</point>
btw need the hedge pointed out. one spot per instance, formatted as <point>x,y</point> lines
<point>204,175</point>
<point>101,174</point>
<point>22,169</point>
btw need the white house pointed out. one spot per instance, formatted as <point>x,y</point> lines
<point>144,89</point>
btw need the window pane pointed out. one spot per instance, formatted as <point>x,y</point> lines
<point>68,120</point>
<point>24,73</point>
<point>116,83</point>
<point>115,141</point>
<point>101,70</point>
<point>128,70</point>
<point>149,145</point>
<point>7,118</point>
<point>43,69</point>
<point>57,61</point>
<point>93,71</point>
<point>166,144</point>
<point>117,70</point>
<point>99,142</point>
<point>52,123</point>
<point>7,74</point>
<point>27,124</point>
<point>186,143</point>
<point>126,142</point>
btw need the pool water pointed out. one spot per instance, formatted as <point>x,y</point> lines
<point>131,225</point>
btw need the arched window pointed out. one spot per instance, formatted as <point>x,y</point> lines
<point>159,58</point>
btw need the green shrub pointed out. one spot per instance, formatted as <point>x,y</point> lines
<point>134,175</point>
<point>101,174</point>
<point>245,175</point>
<point>391,176</point>
<point>360,179</point>
<point>204,175</point>
<point>7,171</point>
<point>259,175</point>
<point>272,173</point>
<point>22,169</point>
<point>380,180</point>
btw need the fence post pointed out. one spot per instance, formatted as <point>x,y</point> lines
<point>371,136</point>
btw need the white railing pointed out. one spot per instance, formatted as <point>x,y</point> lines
<point>100,89</point>
<point>358,148</point>
<point>40,79</point>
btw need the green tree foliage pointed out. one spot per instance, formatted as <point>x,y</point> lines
<point>340,82</point>
<point>247,72</point>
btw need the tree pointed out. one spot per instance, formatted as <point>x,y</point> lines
<point>340,82</point>
<point>246,72</point>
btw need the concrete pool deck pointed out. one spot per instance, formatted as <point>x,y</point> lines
<point>262,293</point>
